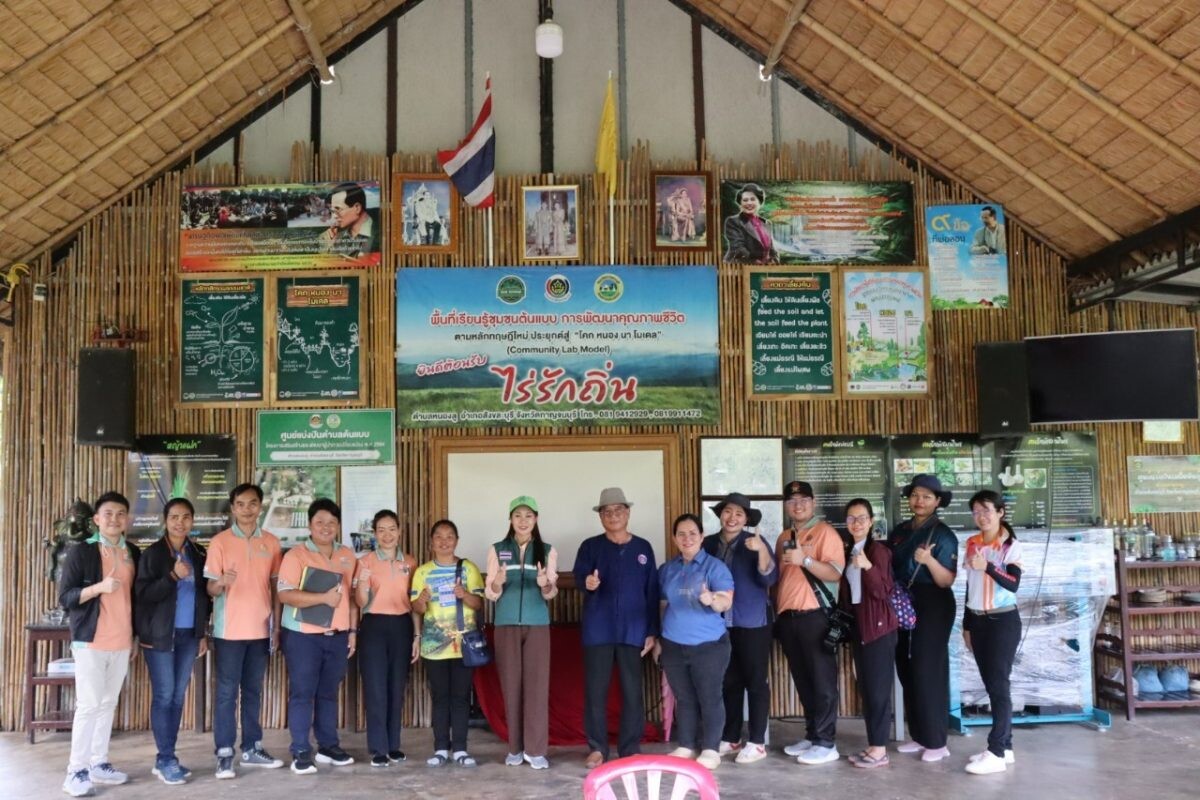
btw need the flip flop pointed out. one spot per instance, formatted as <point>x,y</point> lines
<point>437,760</point>
<point>867,762</point>
<point>857,756</point>
<point>464,760</point>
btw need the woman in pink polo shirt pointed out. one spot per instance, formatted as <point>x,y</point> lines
<point>385,636</point>
<point>317,642</point>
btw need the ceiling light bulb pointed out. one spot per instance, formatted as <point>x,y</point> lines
<point>548,39</point>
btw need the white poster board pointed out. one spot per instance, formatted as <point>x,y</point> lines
<point>566,484</point>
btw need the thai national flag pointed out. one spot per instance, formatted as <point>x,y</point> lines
<point>472,167</point>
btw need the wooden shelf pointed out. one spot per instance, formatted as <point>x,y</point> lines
<point>1132,576</point>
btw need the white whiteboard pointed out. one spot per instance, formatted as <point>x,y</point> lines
<point>566,484</point>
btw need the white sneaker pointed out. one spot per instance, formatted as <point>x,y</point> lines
<point>751,753</point>
<point>682,752</point>
<point>818,755</point>
<point>1009,758</point>
<point>709,759</point>
<point>909,747</point>
<point>796,749</point>
<point>538,762</point>
<point>729,747</point>
<point>107,775</point>
<point>78,784</point>
<point>514,759</point>
<point>988,763</point>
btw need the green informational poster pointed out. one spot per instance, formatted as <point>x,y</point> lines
<point>962,463</point>
<point>841,469</point>
<point>340,438</point>
<point>221,341</point>
<point>1159,484</point>
<point>1049,479</point>
<point>791,333</point>
<point>317,348</point>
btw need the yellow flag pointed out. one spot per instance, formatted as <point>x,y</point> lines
<point>606,141</point>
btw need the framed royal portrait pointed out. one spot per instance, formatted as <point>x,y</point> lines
<point>550,223</point>
<point>425,213</point>
<point>679,214</point>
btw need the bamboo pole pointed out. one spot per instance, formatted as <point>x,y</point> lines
<point>1124,33</point>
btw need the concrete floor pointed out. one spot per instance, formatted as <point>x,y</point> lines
<point>1155,758</point>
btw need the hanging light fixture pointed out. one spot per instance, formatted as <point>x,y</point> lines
<point>548,38</point>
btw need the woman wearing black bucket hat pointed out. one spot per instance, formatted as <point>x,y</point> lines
<point>748,557</point>
<point>925,559</point>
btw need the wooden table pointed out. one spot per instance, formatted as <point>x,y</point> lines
<point>56,718</point>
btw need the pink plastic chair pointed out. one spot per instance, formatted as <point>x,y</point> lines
<point>635,772</point>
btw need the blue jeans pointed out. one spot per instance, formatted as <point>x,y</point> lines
<point>170,671</point>
<point>316,665</point>
<point>241,663</point>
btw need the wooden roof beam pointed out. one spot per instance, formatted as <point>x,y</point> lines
<point>305,24</point>
<point>1009,113</point>
<point>789,23</point>
<point>1128,34</point>
<point>1075,84</point>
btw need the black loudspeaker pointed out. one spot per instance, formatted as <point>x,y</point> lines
<point>106,397</point>
<point>1002,386</point>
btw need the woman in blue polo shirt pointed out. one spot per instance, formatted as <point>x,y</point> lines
<point>695,589</point>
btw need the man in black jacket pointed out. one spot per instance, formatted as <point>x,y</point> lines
<point>95,588</point>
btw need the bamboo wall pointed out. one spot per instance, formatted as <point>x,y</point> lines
<point>124,268</point>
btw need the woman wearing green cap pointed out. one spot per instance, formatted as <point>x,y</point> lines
<point>522,576</point>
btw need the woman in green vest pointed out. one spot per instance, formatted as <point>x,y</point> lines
<point>522,576</point>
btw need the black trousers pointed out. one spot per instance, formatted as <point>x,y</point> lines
<point>598,664</point>
<point>994,641</point>
<point>450,690</point>
<point>749,661</point>
<point>875,664</point>
<point>694,672</point>
<point>385,643</point>
<point>814,671</point>
<point>923,665</point>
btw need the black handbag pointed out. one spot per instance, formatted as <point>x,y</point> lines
<point>476,652</point>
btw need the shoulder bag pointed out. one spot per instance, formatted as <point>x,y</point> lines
<point>475,649</point>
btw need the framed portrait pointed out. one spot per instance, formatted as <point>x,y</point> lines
<point>425,213</point>
<point>679,216</point>
<point>550,223</point>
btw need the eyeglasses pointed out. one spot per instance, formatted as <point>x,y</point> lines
<point>856,518</point>
<point>613,511</point>
<point>984,512</point>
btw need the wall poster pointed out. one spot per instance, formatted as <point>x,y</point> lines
<point>817,222</point>
<point>280,226</point>
<point>318,347</point>
<point>1160,484</point>
<point>514,346</point>
<point>222,341</point>
<point>885,331</point>
<point>791,333</point>
<point>968,256</point>
<point>200,467</point>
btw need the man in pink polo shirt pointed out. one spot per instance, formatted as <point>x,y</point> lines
<point>97,578</point>
<point>241,568</point>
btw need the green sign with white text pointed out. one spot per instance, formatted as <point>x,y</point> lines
<point>343,437</point>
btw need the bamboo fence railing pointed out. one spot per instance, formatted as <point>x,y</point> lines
<point>124,268</point>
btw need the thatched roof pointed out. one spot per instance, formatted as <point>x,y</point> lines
<point>98,96</point>
<point>1079,116</point>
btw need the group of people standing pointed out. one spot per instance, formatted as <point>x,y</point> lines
<point>720,593</point>
<point>708,616</point>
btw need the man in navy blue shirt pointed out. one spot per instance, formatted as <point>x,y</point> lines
<point>619,579</point>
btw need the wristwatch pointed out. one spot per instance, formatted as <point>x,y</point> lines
<point>807,562</point>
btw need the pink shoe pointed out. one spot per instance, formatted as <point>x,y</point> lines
<point>936,754</point>
<point>910,747</point>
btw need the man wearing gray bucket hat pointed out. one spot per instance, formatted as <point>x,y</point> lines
<point>619,579</point>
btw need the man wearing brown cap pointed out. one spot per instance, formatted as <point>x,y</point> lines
<point>809,553</point>
<point>619,579</point>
